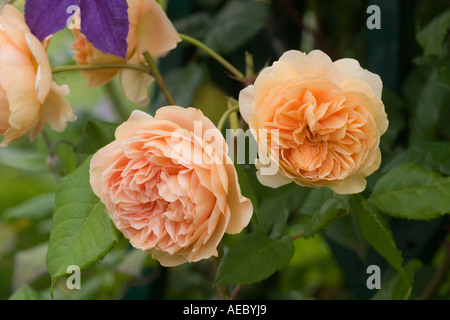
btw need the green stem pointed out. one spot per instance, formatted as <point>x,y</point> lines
<point>221,290</point>
<point>100,66</point>
<point>439,278</point>
<point>236,73</point>
<point>158,78</point>
<point>225,115</point>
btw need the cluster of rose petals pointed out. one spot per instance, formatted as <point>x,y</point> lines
<point>319,121</point>
<point>170,187</point>
<point>29,99</point>
<point>150,30</point>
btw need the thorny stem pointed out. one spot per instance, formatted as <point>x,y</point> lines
<point>439,277</point>
<point>236,291</point>
<point>158,78</point>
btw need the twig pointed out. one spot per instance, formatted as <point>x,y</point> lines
<point>439,276</point>
<point>236,291</point>
<point>158,78</point>
<point>296,236</point>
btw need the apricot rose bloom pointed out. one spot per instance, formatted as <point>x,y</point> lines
<point>28,97</point>
<point>319,121</point>
<point>169,185</point>
<point>150,30</point>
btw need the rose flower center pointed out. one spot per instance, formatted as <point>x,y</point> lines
<point>315,131</point>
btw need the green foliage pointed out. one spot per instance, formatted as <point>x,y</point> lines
<point>254,258</point>
<point>377,232</point>
<point>95,135</point>
<point>432,36</point>
<point>327,213</point>
<point>82,232</point>
<point>302,243</point>
<point>235,24</point>
<point>412,192</point>
<point>399,286</point>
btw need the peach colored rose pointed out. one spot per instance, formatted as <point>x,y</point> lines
<point>169,185</point>
<point>150,30</point>
<point>28,97</point>
<point>319,121</point>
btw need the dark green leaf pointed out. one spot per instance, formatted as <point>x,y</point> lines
<point>194,25</point>
<point>345,231</point>
<point>315,199</point>
<point>254,258</point>
<point>376,232</point>
<point>237,23</point>
<point>399,286</point>
<point>432,36</point>
<point>82,232</point>
<point>431,155</point>
<point>442,67</point>
<point>273,216</point>
<point>246,185</point>
<point>95,135</point>
<point>326,214</point>
<point>412,192</point>
<point>432,99</point>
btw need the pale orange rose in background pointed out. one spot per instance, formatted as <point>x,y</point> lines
<point>158,193</point>
<point>326,120</point>
<point>150,30</point>
<point>28,97</point>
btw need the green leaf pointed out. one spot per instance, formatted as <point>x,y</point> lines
<point>432,99</point>
<point>412,192</point>
<point>273,216</point>
<point>431,155</point>
<point>315,199</point>
<point>326,214</point>
<point>82,232</point>
<point>432,36</point>
<point>38,207</point>
<point>376,232</point>
<point>235,24</point>
<point>254,257</point>
<point>441,65</point>
<point>246,185</point>
<point>345,232</point>
<point>95,135</point>
<point>26,293</point>
<point>195,25</point>
<point>399,286</point>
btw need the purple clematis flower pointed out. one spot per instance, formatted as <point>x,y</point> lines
<point>104,22</point>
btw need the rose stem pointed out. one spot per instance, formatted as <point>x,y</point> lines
<point>99,67</point>
<point>158,78</point>
<point>225,115</point>
<point>235,72</point>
